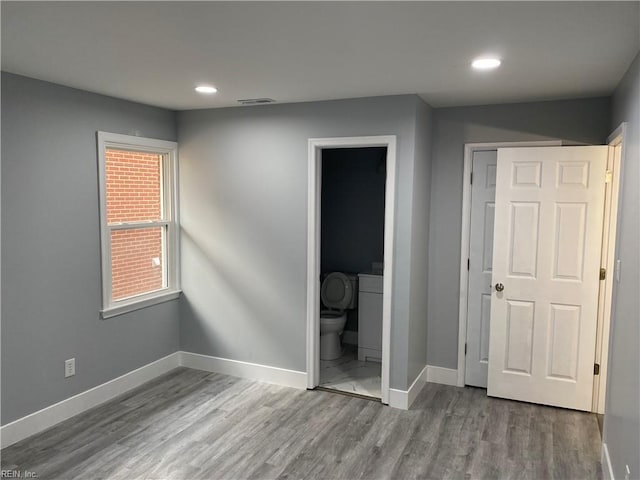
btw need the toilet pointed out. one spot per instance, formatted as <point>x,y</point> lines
<point>339,293</point>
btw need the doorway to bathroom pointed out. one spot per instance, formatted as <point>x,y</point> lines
<point>350,262</point>
<point>351,259</point>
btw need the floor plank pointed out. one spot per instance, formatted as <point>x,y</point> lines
<point>190,424</point>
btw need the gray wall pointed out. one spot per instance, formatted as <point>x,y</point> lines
<point>571,120</point>
<point>244,224</point>
<point>417,334</point>
<point>622,417</point>
<point>51,284</point>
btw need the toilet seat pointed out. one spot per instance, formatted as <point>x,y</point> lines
<point>336,291</point>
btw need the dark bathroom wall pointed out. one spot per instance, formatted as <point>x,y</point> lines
<point>352,214</point>
<point>352,208</point>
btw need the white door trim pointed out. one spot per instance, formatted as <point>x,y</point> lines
<point>608,261</point>
<point>469,148</point>
<point>313,249</point>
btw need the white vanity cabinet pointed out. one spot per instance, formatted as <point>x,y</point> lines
<point>369,317</point>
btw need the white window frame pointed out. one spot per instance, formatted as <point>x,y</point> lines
<point>171,260</point>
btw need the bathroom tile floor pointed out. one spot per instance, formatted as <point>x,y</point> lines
<point>347,374</point>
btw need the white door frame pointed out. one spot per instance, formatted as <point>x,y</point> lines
<point>313,249</point>
<point>469,149</point>
<point>608,261</point>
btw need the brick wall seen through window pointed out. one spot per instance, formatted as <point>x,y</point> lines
<point>134,194</point>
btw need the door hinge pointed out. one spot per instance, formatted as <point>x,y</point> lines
<point>608,176</point>
<point>468,263</point>
<point>471,178</point>
<point>465,348</point>
<point>596,369</point>
<point>603,273</point>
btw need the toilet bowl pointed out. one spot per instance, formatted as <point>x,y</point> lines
<point>338,294</point>
<point>331,327</point>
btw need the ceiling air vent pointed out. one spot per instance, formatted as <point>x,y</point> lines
<point>255,101</point>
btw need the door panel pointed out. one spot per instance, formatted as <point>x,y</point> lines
<point>547,238</point>
<point>568,252</point>
<point>523,239</point>
<point>487,241</point>
<point>519,338</point>
<point>480,266</point>
<point>485,320</point>
<point>564,335</point>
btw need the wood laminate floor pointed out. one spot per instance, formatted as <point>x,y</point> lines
<point>190,424</point>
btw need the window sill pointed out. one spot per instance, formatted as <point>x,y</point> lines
<point>139,303</point>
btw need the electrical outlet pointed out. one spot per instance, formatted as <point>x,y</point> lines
<point>69,367</point>
<point>627,473</point>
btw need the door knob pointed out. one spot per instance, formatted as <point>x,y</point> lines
<point>499,287</point>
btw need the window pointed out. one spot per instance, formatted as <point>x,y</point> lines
<point>139,222</point>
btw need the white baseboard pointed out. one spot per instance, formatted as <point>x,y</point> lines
<point>398,399</point>
<point>47,417</point>
<point>403,399</point>
<point>350,337</point>
<point>444,376</point>
<point>236,368</point>
<point>607,468</point>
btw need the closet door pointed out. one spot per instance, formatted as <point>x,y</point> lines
<point>546,261</point>
<point>483,191</point>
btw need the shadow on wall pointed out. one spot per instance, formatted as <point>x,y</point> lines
<point>223,285</point>
<point>576,121</point>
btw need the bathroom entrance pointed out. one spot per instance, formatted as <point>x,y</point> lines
<point>350,253</point>
<point>351,260</point>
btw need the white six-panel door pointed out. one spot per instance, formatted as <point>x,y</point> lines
<point>483,191</point>
<point>547,241</point>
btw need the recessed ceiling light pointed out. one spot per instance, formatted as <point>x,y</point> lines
<point>206,89</point>
<point>486,63</point>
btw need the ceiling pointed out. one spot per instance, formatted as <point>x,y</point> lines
<point>156,52</point>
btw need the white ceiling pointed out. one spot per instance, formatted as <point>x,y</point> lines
<point>156,52</point>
